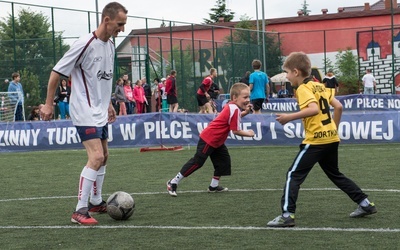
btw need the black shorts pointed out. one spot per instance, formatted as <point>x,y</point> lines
<point>201,100</point>
<point>257,103</point>
<point>220,159</point>
<point>171,99</point>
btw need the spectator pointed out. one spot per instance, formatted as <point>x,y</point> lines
<point>203,97</point>
<point>130,101</point>
<point>245,79</point>
<point>63,92</point>
<point>147,92</point>
<point>125,78</point>
<point>115,103</point>
<point>369,83</point>
<point>90,61</point>
<point>259,87</point>
<point>283,92</point>
<point>16,98</point>
<point>213,92</point>
<point>163,96</point>
<point>40,110</point>
<point>120,97</point>
<point>172,94</point>
<point>35,114</point>
<point>156,92</point>
<point>139,96</point>
<point>330,81</point>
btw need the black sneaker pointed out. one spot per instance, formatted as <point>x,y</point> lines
<point>363,211</point>
<point>171,188</point>
<point>281,221</point>
<point>98,209</point>
<point>217,189</point>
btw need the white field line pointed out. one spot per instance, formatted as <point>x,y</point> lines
<point>202,191</point>
<point>328,229</point>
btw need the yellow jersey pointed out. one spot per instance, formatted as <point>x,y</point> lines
<point>321,128</point>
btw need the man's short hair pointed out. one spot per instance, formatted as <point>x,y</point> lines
<point>111,10</point>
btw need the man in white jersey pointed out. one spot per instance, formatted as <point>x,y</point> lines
<point>369,83</point>
<point>90,63</point>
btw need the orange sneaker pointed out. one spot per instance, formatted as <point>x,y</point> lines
<point>82,217</point>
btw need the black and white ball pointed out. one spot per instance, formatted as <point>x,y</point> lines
<point>120,205</point>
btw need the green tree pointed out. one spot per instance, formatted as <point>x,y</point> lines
<point>245,45</point>
<point>347,72</point>
<point>30,84</point>
<point>27,44</point>
<point>304,8</point>
<point>328,65</point>
<point>220,11</point>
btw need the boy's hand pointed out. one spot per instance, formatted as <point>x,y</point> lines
<point>282,118</point>
<point>251,133</point>
<point>249,108</point>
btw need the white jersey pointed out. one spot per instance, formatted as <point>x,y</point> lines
<point>90,62</point>
<point>368,80</point>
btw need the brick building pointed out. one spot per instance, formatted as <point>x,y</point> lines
<point>366,30</point>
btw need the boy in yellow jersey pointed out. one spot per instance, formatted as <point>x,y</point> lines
<point>320,144</point>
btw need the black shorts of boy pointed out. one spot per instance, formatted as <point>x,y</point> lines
<point>220,158</point>
<point>257,103</point>
<point>88,132</point>
<point>171,99</point>
<point>201,100</point>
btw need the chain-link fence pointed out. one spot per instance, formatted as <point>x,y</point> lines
<point>152,47</point>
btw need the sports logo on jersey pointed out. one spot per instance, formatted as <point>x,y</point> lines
<point>104,75</point>
<point>97,59</point>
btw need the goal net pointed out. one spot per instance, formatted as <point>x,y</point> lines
<point>8,105</point>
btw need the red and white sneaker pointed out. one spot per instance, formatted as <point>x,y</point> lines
<point>98,209</point>
<point>82,217</point>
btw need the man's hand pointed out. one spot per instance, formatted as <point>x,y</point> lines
<point>46,112</point>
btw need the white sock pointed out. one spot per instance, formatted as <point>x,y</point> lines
<point>88,176</point>
<point>215,181</point>
<point>95,194</point>
<point>287,214</point>
<point>177,178</point>
<point>364,203</point>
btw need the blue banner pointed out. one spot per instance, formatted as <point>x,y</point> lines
<point>349,102</point>
<point>173,129</point>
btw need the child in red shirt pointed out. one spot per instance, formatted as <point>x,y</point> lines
<point>138,95</point>
<point>212,140</point>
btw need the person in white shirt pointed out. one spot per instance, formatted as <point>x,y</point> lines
<point>369,83</point>
<point>90,63</point>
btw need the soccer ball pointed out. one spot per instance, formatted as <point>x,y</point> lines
<point>120,205</point>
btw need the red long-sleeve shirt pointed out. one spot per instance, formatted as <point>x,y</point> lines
<point>170,86</point>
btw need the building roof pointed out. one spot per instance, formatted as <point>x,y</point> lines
<point>380,5</point>
<point>376,9</point>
